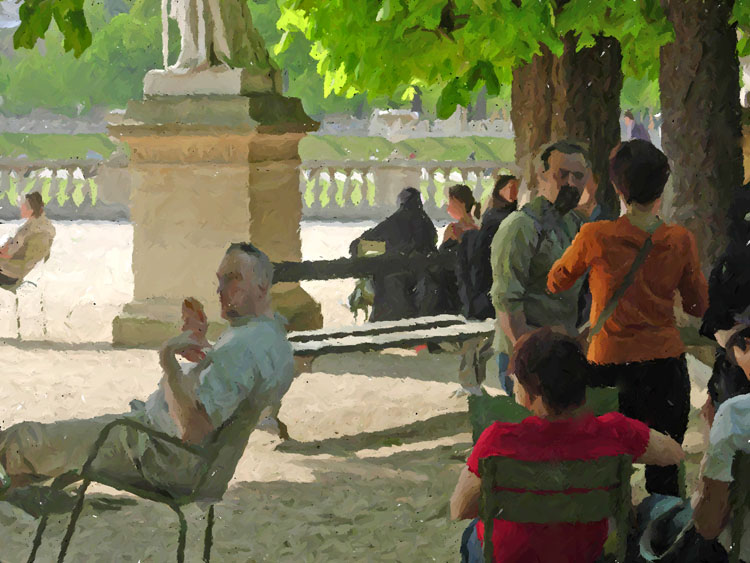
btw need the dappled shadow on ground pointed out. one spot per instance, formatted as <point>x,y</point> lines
<point>376,509</point>
<point>440,426</point>
<point>442,366</point>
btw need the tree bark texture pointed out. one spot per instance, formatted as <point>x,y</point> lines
<point>701,130</point>
<point>575,96</point>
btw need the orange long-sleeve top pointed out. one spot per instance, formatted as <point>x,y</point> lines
<point>643,326</point>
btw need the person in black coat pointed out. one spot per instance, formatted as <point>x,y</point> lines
<point>473,265</point>
<point>407,231</point>
<point>729,303</point>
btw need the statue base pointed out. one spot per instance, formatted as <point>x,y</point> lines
<point>215,81</point>
<point>206,171</point>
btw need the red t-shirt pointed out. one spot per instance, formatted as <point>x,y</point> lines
<point>537,439</point>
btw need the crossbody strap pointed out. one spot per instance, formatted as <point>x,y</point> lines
<point>627,281</point>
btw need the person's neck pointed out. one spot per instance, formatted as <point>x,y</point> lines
<point>642,216</point>
<point>266,312</point>
<point>542,411</point>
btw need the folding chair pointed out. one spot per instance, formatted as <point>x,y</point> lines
<point>4,481</point>
<point>511,492</point>
<point>30,280</point>
<point>218,464</point>
<point>739,497</point>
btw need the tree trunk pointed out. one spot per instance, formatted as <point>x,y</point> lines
<point>701,131</point>
<point>575,96</point>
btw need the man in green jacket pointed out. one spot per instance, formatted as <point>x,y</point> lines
<point>530,240</point>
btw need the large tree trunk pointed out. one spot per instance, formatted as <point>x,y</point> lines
<point>575,96</point>
<point>701,131</point>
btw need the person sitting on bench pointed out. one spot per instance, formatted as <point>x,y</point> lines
<point>552,372</point>
<point>30,245</point>
<point>253,352</point>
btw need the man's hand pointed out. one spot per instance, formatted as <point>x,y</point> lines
<point>182,344</point>
<point>587,203</point>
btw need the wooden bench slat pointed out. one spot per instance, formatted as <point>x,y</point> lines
<point>379,327</point>
<point>400,339</point>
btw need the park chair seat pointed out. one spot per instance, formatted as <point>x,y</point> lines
<point>511,491</point>
<point>218,454</point>
<point>740,501</point>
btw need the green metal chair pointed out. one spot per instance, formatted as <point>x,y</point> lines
<point>218,463</point>
<point>739,497</point>
<point>510,491</point>
<point>4,481</point>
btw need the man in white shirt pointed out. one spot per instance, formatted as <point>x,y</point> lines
<point>252,358</point>
<point>730,433</point>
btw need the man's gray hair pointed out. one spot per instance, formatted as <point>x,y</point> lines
<point>262,266</point>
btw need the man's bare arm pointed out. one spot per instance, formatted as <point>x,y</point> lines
<point>465,498</point>
<point>661,450</point>
<point>188,414</point>
<point>513,325</point>
<point>712,510</point>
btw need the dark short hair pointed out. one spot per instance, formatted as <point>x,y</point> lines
<point>263,267</point>
<point>551,366</point>
<point>629,115</point>
<point>639,171</point>
<point>465,195</point>
<point>36,203</point>
<point>565,147</point>
<point>738,339</point>
<point>501,182</point>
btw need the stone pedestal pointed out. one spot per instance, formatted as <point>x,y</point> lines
<point>207,171</point>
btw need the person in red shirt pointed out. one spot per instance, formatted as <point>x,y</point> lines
<point>639,349</point>
<point>551,373</point>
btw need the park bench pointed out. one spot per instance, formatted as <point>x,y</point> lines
<point>375,336</point>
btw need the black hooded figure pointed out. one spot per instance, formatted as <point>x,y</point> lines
<point>407,231</point>
<point>729,298</point>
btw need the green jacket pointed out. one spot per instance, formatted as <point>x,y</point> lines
<point>524,249</point>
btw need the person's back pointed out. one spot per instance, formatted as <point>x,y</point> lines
<point>30,245</point>
<point>535,439</point>
<point>643,325</point>
<point>408,230</point>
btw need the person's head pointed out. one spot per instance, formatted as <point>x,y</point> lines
<point>245,278</point>
<point>629,117</point>
<point>738,350</point>
<point>562,174</point>
<point>551,371</point>
<point>32,205</point>
<point>410,198</point>
<point>461,202</point>
<point>639,171</point>
<point>505,191</point>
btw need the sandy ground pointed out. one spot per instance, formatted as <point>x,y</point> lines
<point>377,440</point>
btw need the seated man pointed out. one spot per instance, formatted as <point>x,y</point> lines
<point>552,373</point>
<point>29,245</point>
<point>253,353</point>
<point>730,433</point>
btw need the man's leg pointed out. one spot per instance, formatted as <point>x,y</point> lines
<point>471,547</point>
<point>31,451</point>
<point>503,361</point>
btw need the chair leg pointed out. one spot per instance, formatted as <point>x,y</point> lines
<point>209,535</point>
<point>18,319</point>
<point>182,537</point>
<point>58,483</point>
<point>73,520</point>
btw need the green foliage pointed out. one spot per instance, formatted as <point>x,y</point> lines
<point>640,94</point>
<point>36,17</point>
<point>54,147</point>
<point>378,46</point>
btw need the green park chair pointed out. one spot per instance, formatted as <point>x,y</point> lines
<point>218,463</point>
<point>485,409</point>
<point>740,500</point>
<point>511,492</point>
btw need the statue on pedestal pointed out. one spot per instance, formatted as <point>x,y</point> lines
<point>218,36</point>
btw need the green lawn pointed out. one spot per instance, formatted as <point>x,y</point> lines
<point>312,147</point>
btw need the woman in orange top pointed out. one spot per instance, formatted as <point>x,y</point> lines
<point>639,349</point>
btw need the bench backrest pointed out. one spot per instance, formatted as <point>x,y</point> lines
<point>740,500</point>
<point>571,492</point>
